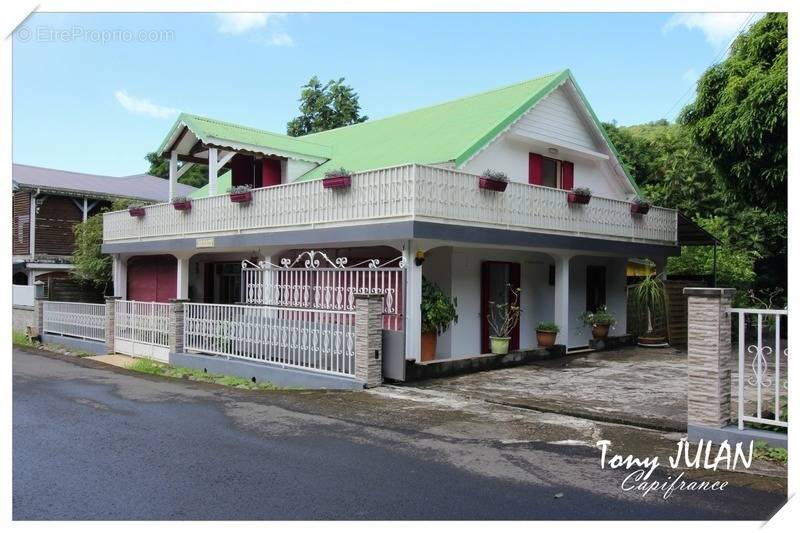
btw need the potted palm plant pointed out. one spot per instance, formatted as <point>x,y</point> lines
<point>493,180</point>
<point>546,333</point>
<point>241,194</point>
<point>437,311</point>
<point>600,321</point>
<point>182,203</point>
<point>640,206</point>
<point>339,178</point>
<point>136,210</point>
<point>579,195</point>
<point>650,298</point>
<point>503,318</point>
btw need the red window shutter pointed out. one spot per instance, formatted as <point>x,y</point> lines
<point>535,169</point>
<point>567,175</point>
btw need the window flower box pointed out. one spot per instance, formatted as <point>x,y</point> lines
<point>337,179</point>
<point>241,194</point>
<point>493,180</point>
<point>579,196</point>
<point>182,204</point>
<point>640,207</point>
<point>136,211</point>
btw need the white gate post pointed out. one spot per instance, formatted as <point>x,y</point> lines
<point>709,359</point>
<point>111,304</point>
<point>369,343</point>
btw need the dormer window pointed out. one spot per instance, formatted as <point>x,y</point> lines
<point>549,172</point>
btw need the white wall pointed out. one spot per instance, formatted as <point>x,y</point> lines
<point>616,299</point>
<point>294,168</point>
<point>554,118</point>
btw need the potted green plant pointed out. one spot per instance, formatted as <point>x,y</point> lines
<point>339,178</point>
<point>136,210</point>
<point>438,311</point>
<point>546,333</point>
<point>493,180</point>
<point>650,298</point>
<point>600,321</point>
<point>241,194</point>
<point>640,206</point>
<point>182,203</point>
<point>503,318</point>
<point>579,195</point>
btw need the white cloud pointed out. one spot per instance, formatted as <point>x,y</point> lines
<point>280,38</point>
<point>143,106</point>
<point>718,28</point>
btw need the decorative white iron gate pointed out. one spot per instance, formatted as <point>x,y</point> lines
<point>763,356</point>
<point>141,329</point>
<point>313,281</point>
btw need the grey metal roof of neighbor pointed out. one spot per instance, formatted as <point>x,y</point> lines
<point>139,186</point>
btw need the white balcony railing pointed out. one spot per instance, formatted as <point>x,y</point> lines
<point>408,192</point>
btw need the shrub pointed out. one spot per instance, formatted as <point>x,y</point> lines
<point>495,175</point>
<point>582,191</point>
<point>337,173</point>
<point>601,317</point>
<point>239,189</point>
<point>438,311</point>
<point>550,327</point>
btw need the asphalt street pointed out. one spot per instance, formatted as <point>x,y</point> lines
<point>97,443</point>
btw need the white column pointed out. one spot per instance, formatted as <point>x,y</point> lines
<point>561,308</point>
<point>32,225</point>
<point>85,208</point>
<point>212,171</point>
<point>119,269</point>
<point>173,174</point>
<point>413,301</point>
<point>183,278</point>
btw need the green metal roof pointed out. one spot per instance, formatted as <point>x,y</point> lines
<point>235,136</point>
<point>448,132</point>
<point>451,131</point>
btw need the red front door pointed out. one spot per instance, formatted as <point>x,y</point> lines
<point>497,279</point>
<point>152,278</point>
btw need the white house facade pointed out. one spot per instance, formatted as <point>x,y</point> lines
<point>413,207</point>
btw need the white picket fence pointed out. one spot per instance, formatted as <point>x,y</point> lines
<point>75,319</point>
<point>312,339</point>
<point>141,329</point>
<point>763,381</point>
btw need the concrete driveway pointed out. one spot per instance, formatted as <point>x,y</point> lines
<point>645,387</point>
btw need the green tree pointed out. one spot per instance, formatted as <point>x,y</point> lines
<point>740,114</point>
<point>197,176</point>
<point>91,265</point>
<point>324,107</point>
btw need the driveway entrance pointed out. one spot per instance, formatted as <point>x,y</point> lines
<point>637,386</point>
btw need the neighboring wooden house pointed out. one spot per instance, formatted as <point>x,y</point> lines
<point>48,203</point>
<point>413,206</point>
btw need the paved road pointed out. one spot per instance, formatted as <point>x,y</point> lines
<point>93,443</point>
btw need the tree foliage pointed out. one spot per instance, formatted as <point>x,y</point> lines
<point>324,107</point>
<point>197,176</point>
<point>91,265</point>
<point>739,117</point>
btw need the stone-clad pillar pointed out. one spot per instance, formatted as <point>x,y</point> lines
<point>176,310</point>
<point>709,354</point>
<point>369,344</point>
<point>38,310</point>
<point>111,302</point>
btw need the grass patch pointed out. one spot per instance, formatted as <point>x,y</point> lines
<point>148,366</point>
<point>762,450</point>
<point>18,338</point>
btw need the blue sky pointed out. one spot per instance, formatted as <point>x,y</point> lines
<point>91,106</point>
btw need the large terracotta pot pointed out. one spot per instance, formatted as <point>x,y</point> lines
<point>600,332</point>
<point>546,339</point>
<point>428,348</point>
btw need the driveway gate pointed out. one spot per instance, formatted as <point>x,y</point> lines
<point>141,329</point>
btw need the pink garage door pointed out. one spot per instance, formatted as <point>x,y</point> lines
<point>152,278</point>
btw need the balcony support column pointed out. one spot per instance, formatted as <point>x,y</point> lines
<point>561,304</point>
<point>413,299</point>
<point>183,277</point>
<point>119,274</point>
<point>173,174</point>
<point>213,170</point>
